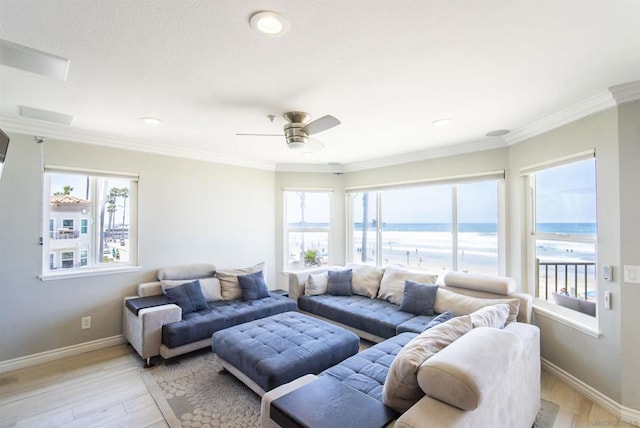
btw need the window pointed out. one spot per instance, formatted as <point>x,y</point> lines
<point>307,228</point>
<point>96,215</point>
<point>563,231</point>
<point>443,226</point>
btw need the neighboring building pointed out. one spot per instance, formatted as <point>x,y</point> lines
<point>68,231</point>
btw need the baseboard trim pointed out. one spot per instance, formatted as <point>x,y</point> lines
<point>627,414</point>
<point>56,354</point>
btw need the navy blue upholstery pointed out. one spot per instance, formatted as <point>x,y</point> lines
<point>275,350</point>
<point>367,371</point>
<point>222,314</point>
<point>416,324</point>
<point>375,316</point>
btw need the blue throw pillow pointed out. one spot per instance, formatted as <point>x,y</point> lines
<point>188,296</point>
<point>339,282</point>
<point>443,317</point>
<point>253,286</point>
<point>418,298</point>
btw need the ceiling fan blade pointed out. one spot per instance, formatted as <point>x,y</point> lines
<point>312,146</point>
<point>321,124</point>
<point>260,135</point>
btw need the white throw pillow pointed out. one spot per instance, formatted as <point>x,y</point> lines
<point>460,304</point>
<point>210,287</point>
<point>490,316</point>
<point>392,283</point>
<point>401,389</point>
<point>316,284</point>
<point>230,289</point>
<point>365,279</point>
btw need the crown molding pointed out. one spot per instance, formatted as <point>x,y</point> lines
<point>626,93</point>
<point>594,104</point>
<point>125,143</point>
<point>435,153</point>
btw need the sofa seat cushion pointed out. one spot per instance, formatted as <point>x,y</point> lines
<point>420,323</point>
<point>367,371</point>
<point>222,314</point>
<point>375,316</point>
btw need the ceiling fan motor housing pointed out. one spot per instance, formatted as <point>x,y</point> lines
<point>296,137</point>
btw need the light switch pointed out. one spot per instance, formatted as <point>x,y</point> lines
<point>632,274</point>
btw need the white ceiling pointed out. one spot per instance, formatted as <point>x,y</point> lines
<point>386,69</point>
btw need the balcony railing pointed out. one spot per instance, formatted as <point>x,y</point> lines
<point>65,234</point>
<point>574,277</point>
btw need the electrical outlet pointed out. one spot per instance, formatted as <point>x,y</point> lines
<point>85,322</point>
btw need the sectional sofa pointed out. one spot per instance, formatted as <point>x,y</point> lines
<point>479,367</point>
<point>372,305</point>
<point>164,319</point>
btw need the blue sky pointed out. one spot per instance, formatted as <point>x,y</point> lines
<point>567,194</point>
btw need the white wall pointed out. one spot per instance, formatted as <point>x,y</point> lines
<point>189,212</point>
<point>627,304</point>
<point>595,361</point>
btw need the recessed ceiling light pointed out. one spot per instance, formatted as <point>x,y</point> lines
<point>151,120</point>
<point>497,133</point>
<point>269,23</point>
<point>442,122</point>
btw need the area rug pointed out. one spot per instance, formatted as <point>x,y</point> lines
<point>194,391</point>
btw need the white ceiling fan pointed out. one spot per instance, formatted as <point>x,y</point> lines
<point>297,130</point>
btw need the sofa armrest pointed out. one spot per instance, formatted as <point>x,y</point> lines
<point>513,401</point>
<point>144,330</point>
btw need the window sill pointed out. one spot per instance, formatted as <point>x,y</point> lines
<point>580,322</point>
<point>53,276</point>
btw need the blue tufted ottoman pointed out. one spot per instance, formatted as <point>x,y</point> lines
<point>272,351</point>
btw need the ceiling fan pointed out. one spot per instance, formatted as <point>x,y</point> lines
<point>297,130</point>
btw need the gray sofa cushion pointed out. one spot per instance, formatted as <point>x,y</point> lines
<point>375,316</point>
<point>367,371</point>
<point>253,286</point>
<point>418,298</point>
<point>188,296</point>
<point>339,282</point>
<point>222,314</point>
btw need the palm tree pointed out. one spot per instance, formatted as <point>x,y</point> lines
<point>111,208</point>
<point>124,194</point>
<point>66,190</point>
<point>365,225</point>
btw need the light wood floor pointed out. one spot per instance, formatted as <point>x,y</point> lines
<point>105,389</point>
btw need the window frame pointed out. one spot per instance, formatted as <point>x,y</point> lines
<point>94,265</point>
<point>498,176</point>
<point>571,318</point>
<point>287,230</point>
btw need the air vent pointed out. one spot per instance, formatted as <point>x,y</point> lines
<point>46,115</point>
